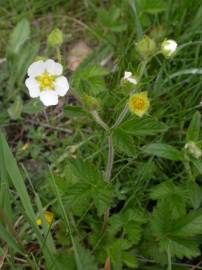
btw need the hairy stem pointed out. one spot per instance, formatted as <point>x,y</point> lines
<point>99,120</point>
<point>121,116</point>
<point>110,158</point>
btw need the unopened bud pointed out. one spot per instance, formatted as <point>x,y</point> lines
<point>168,47</point>
<point>146,47</point>
<point>55,38</point>
<point>91,103</point>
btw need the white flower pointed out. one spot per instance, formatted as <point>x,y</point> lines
<point>193,149</point>
<point>128,76</point>
<point>168,47</point>
<point>45,81</point>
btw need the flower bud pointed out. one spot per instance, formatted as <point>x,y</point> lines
<point>168,47</point>
<point>55,38</point>
<point>146,47</point>
<point>193,149</point>
<point>91,103</point>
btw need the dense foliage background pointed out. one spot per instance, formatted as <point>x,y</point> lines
<point>155,191</point>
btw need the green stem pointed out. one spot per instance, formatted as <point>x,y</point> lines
<point>99,121</point>
<point>110,158</point>
<point>169,258</point>
<point>58,54</point>
<point>121,116</point>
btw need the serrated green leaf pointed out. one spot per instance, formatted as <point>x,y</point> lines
<point>90,80</point>
<point>181,248</point>
<point>19,36</point>
<point>89,186</point>
<point>143,126</point>
<point>130,259</point>
<point>194,127</point>
<point>163,150</point>
<point>197,164</point>
<point>194,194</point>
<point>189,225</point>
<point>87,259</point>
<point>174,195</point>
<point>123,142</point>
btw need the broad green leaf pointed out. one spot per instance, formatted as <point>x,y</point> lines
<point>194,127</point>
<point>33,106</point>
<point>8,238</point>
<point>18,182</point>
<point>194,194</point>
<point>22,62</point>
<point>16,108</point>
<point>74,111</point>
<point>143,126</point>
<point>152,6</point>
<point>165,189</point>
<point>163,150</point>
<point>19,36</point>
<point>110,19</point>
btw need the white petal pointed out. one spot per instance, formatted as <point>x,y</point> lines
<point>33,87</point>
<point>132,80</point>
<point>61,86</point>
<point>36,68</point>
<point>127,75</point>
<point>53,68</point>
<point>49,97</point>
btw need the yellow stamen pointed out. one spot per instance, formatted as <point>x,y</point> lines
<point>46,81</point>
<point>49,217</point>
<point>139,103</point>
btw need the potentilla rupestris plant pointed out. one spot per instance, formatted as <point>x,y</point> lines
<point>46,82</point>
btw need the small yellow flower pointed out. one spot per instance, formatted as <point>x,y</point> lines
<point>25,147</point>
<point>49,217</point>
<point>139,103</point>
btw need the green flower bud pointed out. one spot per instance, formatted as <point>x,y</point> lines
<point>91,103</point>
<point>146,47</point>
<point>55,38</point>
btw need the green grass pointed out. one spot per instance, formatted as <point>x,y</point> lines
<point>147,215</point>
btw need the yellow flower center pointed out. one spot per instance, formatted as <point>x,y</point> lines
<point>138,103</point>
<point>46,81</point>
